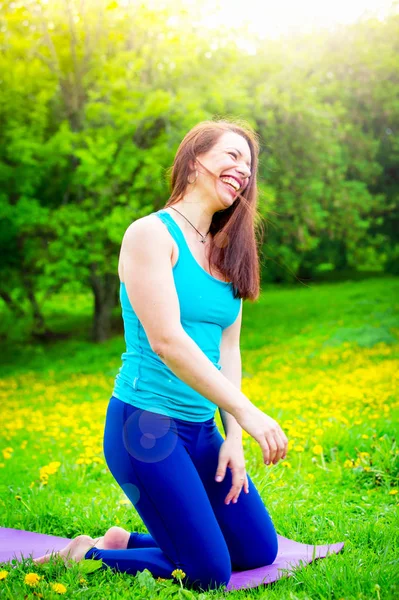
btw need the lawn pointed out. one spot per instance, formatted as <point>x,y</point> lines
<point>322,359</point>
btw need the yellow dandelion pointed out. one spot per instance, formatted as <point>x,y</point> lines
<point>287,464</point>
<point>299,448</point>
<point>365,437</point>
<point>317,449</point>
<point>348,464</point>
<point>160,579</point>
<point>82,581</point>
<point>32,579</point>
<point>310,476</point>
<point>393,492</point>
<point>3,574</point>
<point>178,574</point>
<point>59,588</point>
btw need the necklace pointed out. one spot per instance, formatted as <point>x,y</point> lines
<point>202,236</point>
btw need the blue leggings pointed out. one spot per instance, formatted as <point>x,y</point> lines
<point>166,467</point>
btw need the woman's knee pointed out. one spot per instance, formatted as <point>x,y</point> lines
<point>262,555</point>
<point>267,557</point>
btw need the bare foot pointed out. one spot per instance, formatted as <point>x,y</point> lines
<point>116,538</point>
<point>75,550</point>
<point>98,540</point>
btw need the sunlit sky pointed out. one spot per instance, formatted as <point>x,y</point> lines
<point>272,18</point>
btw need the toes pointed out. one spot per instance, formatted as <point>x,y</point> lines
<point>71,552</point>
<point>45,558</point>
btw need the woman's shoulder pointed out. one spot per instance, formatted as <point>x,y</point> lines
<point>147,225</point>
<point>146,234</point>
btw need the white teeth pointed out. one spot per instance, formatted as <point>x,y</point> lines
<point>231,181</point>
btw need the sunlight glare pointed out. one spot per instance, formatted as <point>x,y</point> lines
<point>266,18</point>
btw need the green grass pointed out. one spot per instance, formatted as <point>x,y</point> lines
<point>321,359</point>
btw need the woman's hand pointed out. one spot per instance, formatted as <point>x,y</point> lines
<point>231,454</point>
<point>266,431</point>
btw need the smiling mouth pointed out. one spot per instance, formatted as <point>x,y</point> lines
<point>231,182</point>
<point>231,187</point>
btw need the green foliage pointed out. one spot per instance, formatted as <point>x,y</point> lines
<point>96,99</point>
<point>89,566</point>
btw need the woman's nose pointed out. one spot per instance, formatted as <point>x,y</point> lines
<point>245,171</point>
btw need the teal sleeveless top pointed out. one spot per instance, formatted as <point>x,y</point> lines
<point>207,306</point>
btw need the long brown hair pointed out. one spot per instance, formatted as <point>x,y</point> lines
<point>234,245</point>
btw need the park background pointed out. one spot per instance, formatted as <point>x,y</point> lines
<point>95,98</point>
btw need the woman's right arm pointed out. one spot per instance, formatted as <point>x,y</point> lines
<point>147,271</point>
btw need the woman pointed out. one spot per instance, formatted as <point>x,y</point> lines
<point>184,271</point>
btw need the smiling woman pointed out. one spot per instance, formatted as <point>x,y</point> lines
<point>182,327</point>
<point>214,187</point>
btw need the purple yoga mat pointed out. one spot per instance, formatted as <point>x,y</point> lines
<point>15,543</point>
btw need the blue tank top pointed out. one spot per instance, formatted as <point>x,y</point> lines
<point>207,306</point>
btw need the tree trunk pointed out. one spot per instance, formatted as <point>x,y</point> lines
<point>39,326</point>
<point>12,305</point>
<point>341,257</point>
<point>103,287</point>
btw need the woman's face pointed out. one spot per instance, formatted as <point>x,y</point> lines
<point>230,156</point>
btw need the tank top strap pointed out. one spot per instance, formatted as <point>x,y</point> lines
<point>173,228</point>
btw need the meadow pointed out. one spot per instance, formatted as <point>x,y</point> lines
<point>320,358</point>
